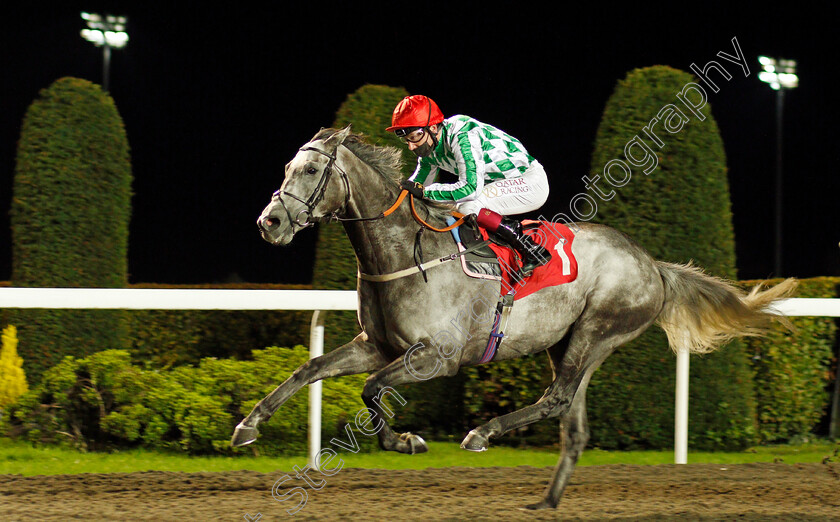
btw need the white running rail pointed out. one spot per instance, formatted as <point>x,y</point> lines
<point>320,301</point>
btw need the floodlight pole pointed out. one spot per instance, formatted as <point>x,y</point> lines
<point>777,265</point>
<point>106,65</point>
<point>781,75</point>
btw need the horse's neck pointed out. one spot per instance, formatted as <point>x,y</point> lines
<point>386,244</point>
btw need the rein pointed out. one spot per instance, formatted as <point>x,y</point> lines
<point>457,223</point>
<point>318,194</point>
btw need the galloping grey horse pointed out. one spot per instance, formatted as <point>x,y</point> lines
<point>619,292</point>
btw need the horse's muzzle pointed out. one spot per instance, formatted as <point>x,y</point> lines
<point>268,223</point>
<point>272,228</point>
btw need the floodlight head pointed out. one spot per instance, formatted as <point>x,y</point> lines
<point>117,40</point>
<point>788,80</point>
<point>788,64</point>
<point>780,74</point>
<point>95,36</point>
<point>110,31</point>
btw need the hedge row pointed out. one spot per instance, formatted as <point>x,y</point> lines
<point>165,338</point>
<point>794,370</point>
<point>104,401</point>
<point>791,372</point>
<point>673,199</point>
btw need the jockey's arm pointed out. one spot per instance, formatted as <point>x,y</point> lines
<point>469,161</point>
<point>424,172</point>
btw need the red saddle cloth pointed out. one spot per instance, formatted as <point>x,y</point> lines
<point>561,268</point>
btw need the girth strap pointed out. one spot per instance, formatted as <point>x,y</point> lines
<point>421,267</point>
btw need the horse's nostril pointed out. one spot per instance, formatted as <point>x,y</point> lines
<point>268,223</point>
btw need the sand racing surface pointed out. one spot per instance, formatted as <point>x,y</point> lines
<point>767,491</point>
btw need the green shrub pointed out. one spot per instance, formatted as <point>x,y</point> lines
<point>70,215</point>
<point>12,379</point>
<point>495,389</point>
<point>103,401</point>
<point>792,369</point>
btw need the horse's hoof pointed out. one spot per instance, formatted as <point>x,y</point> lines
<point>475,442</point>
<point>243,435</point>
<point>542,504</point>
<point>416,444</point>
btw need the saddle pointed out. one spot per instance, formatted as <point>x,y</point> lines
<point>479,260</point>
<point>499,262</point>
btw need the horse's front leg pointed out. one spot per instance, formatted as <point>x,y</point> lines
<point>357,356</point>
<point>413,367</point>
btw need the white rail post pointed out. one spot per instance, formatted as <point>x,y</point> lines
<point>681,405</point>
<point>316,349</point>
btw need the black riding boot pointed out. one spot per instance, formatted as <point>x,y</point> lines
<point>533,255</point>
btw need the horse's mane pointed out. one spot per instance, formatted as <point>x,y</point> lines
<point>385,160</point>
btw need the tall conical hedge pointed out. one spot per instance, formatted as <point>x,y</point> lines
<point>662,179</point>
<point>70,215</point>
<point>369,111</point>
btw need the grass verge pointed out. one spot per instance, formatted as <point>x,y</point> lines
<point>22,458</point>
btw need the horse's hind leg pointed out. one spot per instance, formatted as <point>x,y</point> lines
<point>596,334</point>
<point>575,432</point>
<point>593,339</point>
<point>357,356</point>
<point>556,400</point>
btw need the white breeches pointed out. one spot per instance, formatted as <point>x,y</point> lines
<point>511,196</point>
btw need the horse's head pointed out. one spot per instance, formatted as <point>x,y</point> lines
<point>313,189</point>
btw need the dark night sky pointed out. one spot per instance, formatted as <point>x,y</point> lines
<point>216,101</point>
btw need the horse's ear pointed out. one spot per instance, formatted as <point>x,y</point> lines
<point>338,138</point>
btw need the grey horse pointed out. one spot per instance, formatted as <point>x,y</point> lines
<point>407,320</point>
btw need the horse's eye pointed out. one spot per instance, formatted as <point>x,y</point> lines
<point>311,170</point>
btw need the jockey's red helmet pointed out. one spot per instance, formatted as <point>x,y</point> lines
<point>415,111</point>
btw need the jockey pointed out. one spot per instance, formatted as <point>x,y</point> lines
<point>496,175</point>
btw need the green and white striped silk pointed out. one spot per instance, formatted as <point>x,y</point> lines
<point>474,151</point>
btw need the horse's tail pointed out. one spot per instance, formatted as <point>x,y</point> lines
<point>701,312</point>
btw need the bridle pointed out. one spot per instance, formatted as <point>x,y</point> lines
<point>318,194</point>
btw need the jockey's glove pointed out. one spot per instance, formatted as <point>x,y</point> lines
<point>414,188</point>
